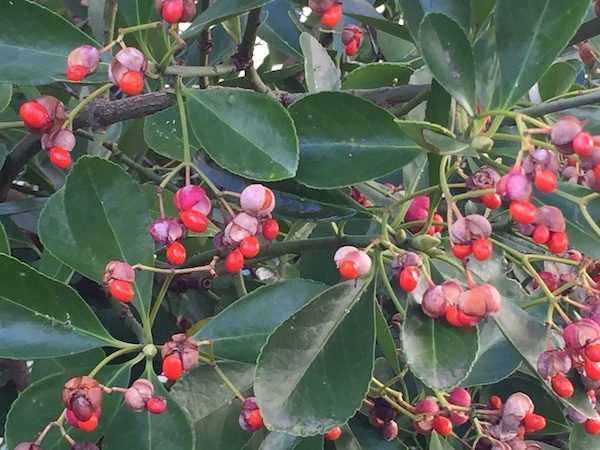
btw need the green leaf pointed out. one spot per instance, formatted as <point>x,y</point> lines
<point>430,347</point>
<point>343,149</point>
<point>486,67</point>
<point>321,73</point>
<point>220,11</point>
<point>171,429</point>
<point>315,369</point>
<point>37,42</point>
<point>525,47</point>
<point>109,219</point>
<point>5,97</point>
<point>386,341</point>
<point>557,80</point>
<point>280,29</point>
<point>240,331</point>
<point>438,443</point>
<point>250,134</point>
<point>364,12</point>
<point>4,244</point>
<point>81,362</point>
<point>162,133</point>
<point>41,403</point>
<point>376,75</point>
<point>435,138</point>
<point>449,56</point>
<point>211,406</point>
<point>480,11</point>
<point>579,230</point>
<point>580,439</point>
<point>54,268</point>
<point>414,11</point>
<point>279,441</point>
<point>43,318</point>
<point>3,154</point>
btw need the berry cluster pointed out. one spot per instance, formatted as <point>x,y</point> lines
<point>469,235</point>
<point>329,10</point>
<point>119,277</point>
<point>82,61</point>
<point>179,354</point>
<point>352,38</point>
<point>406,268</point>
<point>127,70</point>
<point>352,262</point>
<point>175,11</point>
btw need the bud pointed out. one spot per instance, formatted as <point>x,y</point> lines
<point>129,59</point>
<point>83,396</point>
<point>408,259</point>
<point>581,333</point>
<point>542,159</point>
<point>118,270</point>
<point>418,210</point>
<point>434,302</point>
<point>481,300</point>
<point>138,395</point>
<point>563,132</point>
<point>590,161</point>
<point>62,138</point>
<point>514,187</point>
<point>257,200</point>
<point>242,226</point>
<point>185,346</point>
<point>192,197</point>
<point>460,397</point>
<point>360,258</point>
<point>383,410</point>
<point>425,406</point>
<point>552,217</point>
<point>468,229</point>
<point>390,430</point>
<point>188,10</point>
<point>166,231</point>
<point>86,56</point>
<point>516,407</point>
<point>485,178</point>
<point>553,362</point>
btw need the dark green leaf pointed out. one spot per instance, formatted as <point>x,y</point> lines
<point>162,133</point>
<point>375,75</point>
<point>280,29</point>
<point>315,369</point>
<point>414,11</point>
<point>439,103</point>
<point>261,146</point>
<point>486,67</point>
<point>364,12</point>
<point>170,429</point>
<point>449,56</point>
<point>358,145</point>
<point>211,405</point>
<point>81,362</point>
<point>43,318</point>
<point>386,341</point>
<point>435,138</point>
<point>359,434</point>
<point>218,12</point>
<point>480,11</point>
<point>279,441</point>
<point>580,439</point>
<point>5,97</point>
<point>241,329</point>
<point>3,154</point>
<point>321,73</point>
<point>109,219</point>
<point>4,245</point>
<point>430,350</point>
<point>525,45</point>
<point>557,80</point>
<point>414,175</point>
<point>37,42</point>
<point>54,268</point>
<point>438,443</point>
<point>41,403</point>
<point>22,206</point>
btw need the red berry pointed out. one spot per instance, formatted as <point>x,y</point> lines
<point>592,352</point>
<point>592,426</point>
<point>76,72</point>
<point>348,269</point>
<point>332,435</point>
<point>438,218</point>
<point>523,212</point>
<point>592,369</point>
<point>34,115</point>
<point>583,144</point>
<point>89,425</point>
<point>71,419</point>
<point>60,157</point>
<point>270,229</point>
<point>491,201</point>
<point>121,290</point>
<point>562,385</point>
<point>234,261</point>
<point>458,318</point>
<point>352,47</point>
<point>172,366</point>
<point>461,250</point>
<point>176,253</point>
<point>442,425</point>
<point>172,11</point>
<point>132,82</point>
<point>249,247</point>
<point>540,234</point>
<point>597,12</point>
<point>255,419</point>
<point>558,242</point>
<point>549,280</point>
<point>495,402</point>
<point>194,220</point>
<point>571,162</point>
<point>533,422</point>
<point>409,278</point>
<point>482,249</point>
<point>332,16</point>
<point>596,170</point>
<point>156,405</point>
<point>545,180</point>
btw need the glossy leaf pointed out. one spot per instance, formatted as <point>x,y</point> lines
<point>218,12</point>
<point>109,219</point>
<point>480,11</point>
<point>162,133</point>
<point>557,80</point>
<point>414,11</point>
<point>343,149</point>
<point>321,73</point>
<point>365,12</point>
<point>241,330</point>
<point>4,244</point>
<point>375,75</point>
<point>386,341</point>
<point>280,29</point>
<point>315,368</point>
<point>525,46</point>
<point>579,439</point>
<point>211,406</point>
<point>261,147</point>
<point>171,429</point>
<point>486,67</point>
<point>43,318</point>
<point>38,56</point>
<point>430,350</point>
<point>5,97</point>
<point>279,441</point>
<point>449,56</point>
<point>435,138</point>
<point>3,154</point>
<point>81,362</point>
<point>41,403</point>
<point>436,442</point>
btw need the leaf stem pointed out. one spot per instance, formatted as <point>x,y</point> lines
<point>160,297</point>
<point>187,158</point>
<point>71,115</point>
<point>389,287</point>
<point>113,356</point>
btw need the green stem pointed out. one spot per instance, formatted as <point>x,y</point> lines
<point>112,356</point>
<point>412,103</point>
<point>9,125</point>
<point>514,115</point>
<point>144,26</point>
<point>239,284</point>
<point>71,115</point>
<point>171,174</point>
<point>514,138</point>
<point>187,157</point>
<point>160,297</point>
<point>389,287</point>
<point>471,194</point>
<point>591,222</point>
